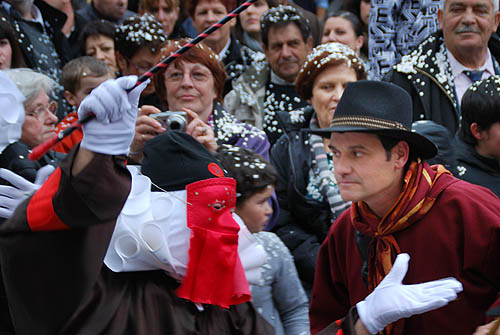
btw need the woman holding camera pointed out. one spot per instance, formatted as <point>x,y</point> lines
<point>194,84</point>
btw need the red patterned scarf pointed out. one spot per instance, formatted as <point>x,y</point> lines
<point>412,204</point>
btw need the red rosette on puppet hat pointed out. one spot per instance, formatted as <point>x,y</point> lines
<point>175,161</point>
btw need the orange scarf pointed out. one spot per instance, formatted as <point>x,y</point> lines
<point>412,204</point>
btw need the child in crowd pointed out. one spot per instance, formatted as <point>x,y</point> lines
<point>79,77</point>
<point>280,298</point>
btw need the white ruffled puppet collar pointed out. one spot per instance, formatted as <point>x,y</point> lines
<point>151,233</point>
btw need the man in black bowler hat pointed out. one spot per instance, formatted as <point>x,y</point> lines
<point>401,204</point>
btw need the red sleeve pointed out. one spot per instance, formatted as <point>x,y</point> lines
<point>40,212</point>
<point>69,142</point>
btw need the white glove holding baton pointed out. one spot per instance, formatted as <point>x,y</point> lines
<point>391,300</point>
<point>115,112</point>
<point>12,196</point>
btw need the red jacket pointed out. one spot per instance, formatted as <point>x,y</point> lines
<point>459,237</point>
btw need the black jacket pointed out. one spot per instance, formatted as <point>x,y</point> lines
<point>425,75</point>
<point>15,158</point>
<point>302,223</point>
<point>236,60</point>
<point>477,169</point>
<point>54,20</point>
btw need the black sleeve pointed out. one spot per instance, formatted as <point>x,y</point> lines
<point>302,243</point>
<point>47,274</point>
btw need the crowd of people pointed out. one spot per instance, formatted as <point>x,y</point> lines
<point>276,178</point>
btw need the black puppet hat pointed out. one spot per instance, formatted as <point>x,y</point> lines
<point>174,159</point>
<point>379,108</point>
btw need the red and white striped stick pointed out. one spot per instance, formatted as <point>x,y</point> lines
<point>41,149</point>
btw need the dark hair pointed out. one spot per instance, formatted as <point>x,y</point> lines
<point>81,67</point>
<point>96,28</point>
<point>320,58</point>
<point>390,142</point>
<point>353,6</point>
<point>281,16</point>
<point>356,23</point>
<point>481,105</point>
<point>147,5</point>
<point>6,31</point>
<point>238,29</point>
<point>198,54</point>
<point>250,170</point>
<point>191,5</point>
<point>138,32</point>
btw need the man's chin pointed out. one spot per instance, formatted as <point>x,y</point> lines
<point>288,75</point>
<point>470,40</point>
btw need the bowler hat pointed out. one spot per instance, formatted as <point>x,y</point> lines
<point>379,108</point>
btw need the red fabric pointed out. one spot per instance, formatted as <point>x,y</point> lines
<point>214,274</point>
<point>458,237</point>
<point>66,144</point>
<point>415,200</point>
<point>40,212</point>
<point>338,323</point>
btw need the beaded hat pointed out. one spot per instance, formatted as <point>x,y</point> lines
<point>138,31</point>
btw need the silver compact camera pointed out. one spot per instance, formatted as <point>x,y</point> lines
<point>172,120</point>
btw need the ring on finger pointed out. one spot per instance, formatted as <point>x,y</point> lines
<point>203,130</point>
<point>143,137</point>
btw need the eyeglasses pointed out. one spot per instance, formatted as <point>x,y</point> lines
<point>140,68</point>
<point>51,107</point>
<point>177,76</point>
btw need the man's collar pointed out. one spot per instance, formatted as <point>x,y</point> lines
<point>7,6</point>
<point>222,53</point>
<point>275,79</point>
<point>457,68</point>
<point>37,14</point>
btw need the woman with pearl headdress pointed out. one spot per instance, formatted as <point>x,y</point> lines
<point>307,192</point>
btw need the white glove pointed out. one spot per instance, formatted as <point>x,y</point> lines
<point>391,300</point>
<point>12,196</point>
<point>112,131</point>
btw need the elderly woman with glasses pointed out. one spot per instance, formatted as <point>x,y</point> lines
<point>39,124</point>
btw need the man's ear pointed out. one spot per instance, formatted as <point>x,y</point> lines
<point>309,43</point>
<point>121,62</point>
<point>476,131</point>
<point>359,42</point>
<point>71,98</point>
<point>440,18</point>
<point>497,20</point>
<point>400,153</point>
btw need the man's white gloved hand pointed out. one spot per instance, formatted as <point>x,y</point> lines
<point>112,130</point>
<point>12,196</point>
<point>391,300</point>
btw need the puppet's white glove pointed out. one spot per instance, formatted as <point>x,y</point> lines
<point>391,300</point>
<point>12,196</point>
<point>112,130</point>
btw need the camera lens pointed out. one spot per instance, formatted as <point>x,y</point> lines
<point>176,122</point>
